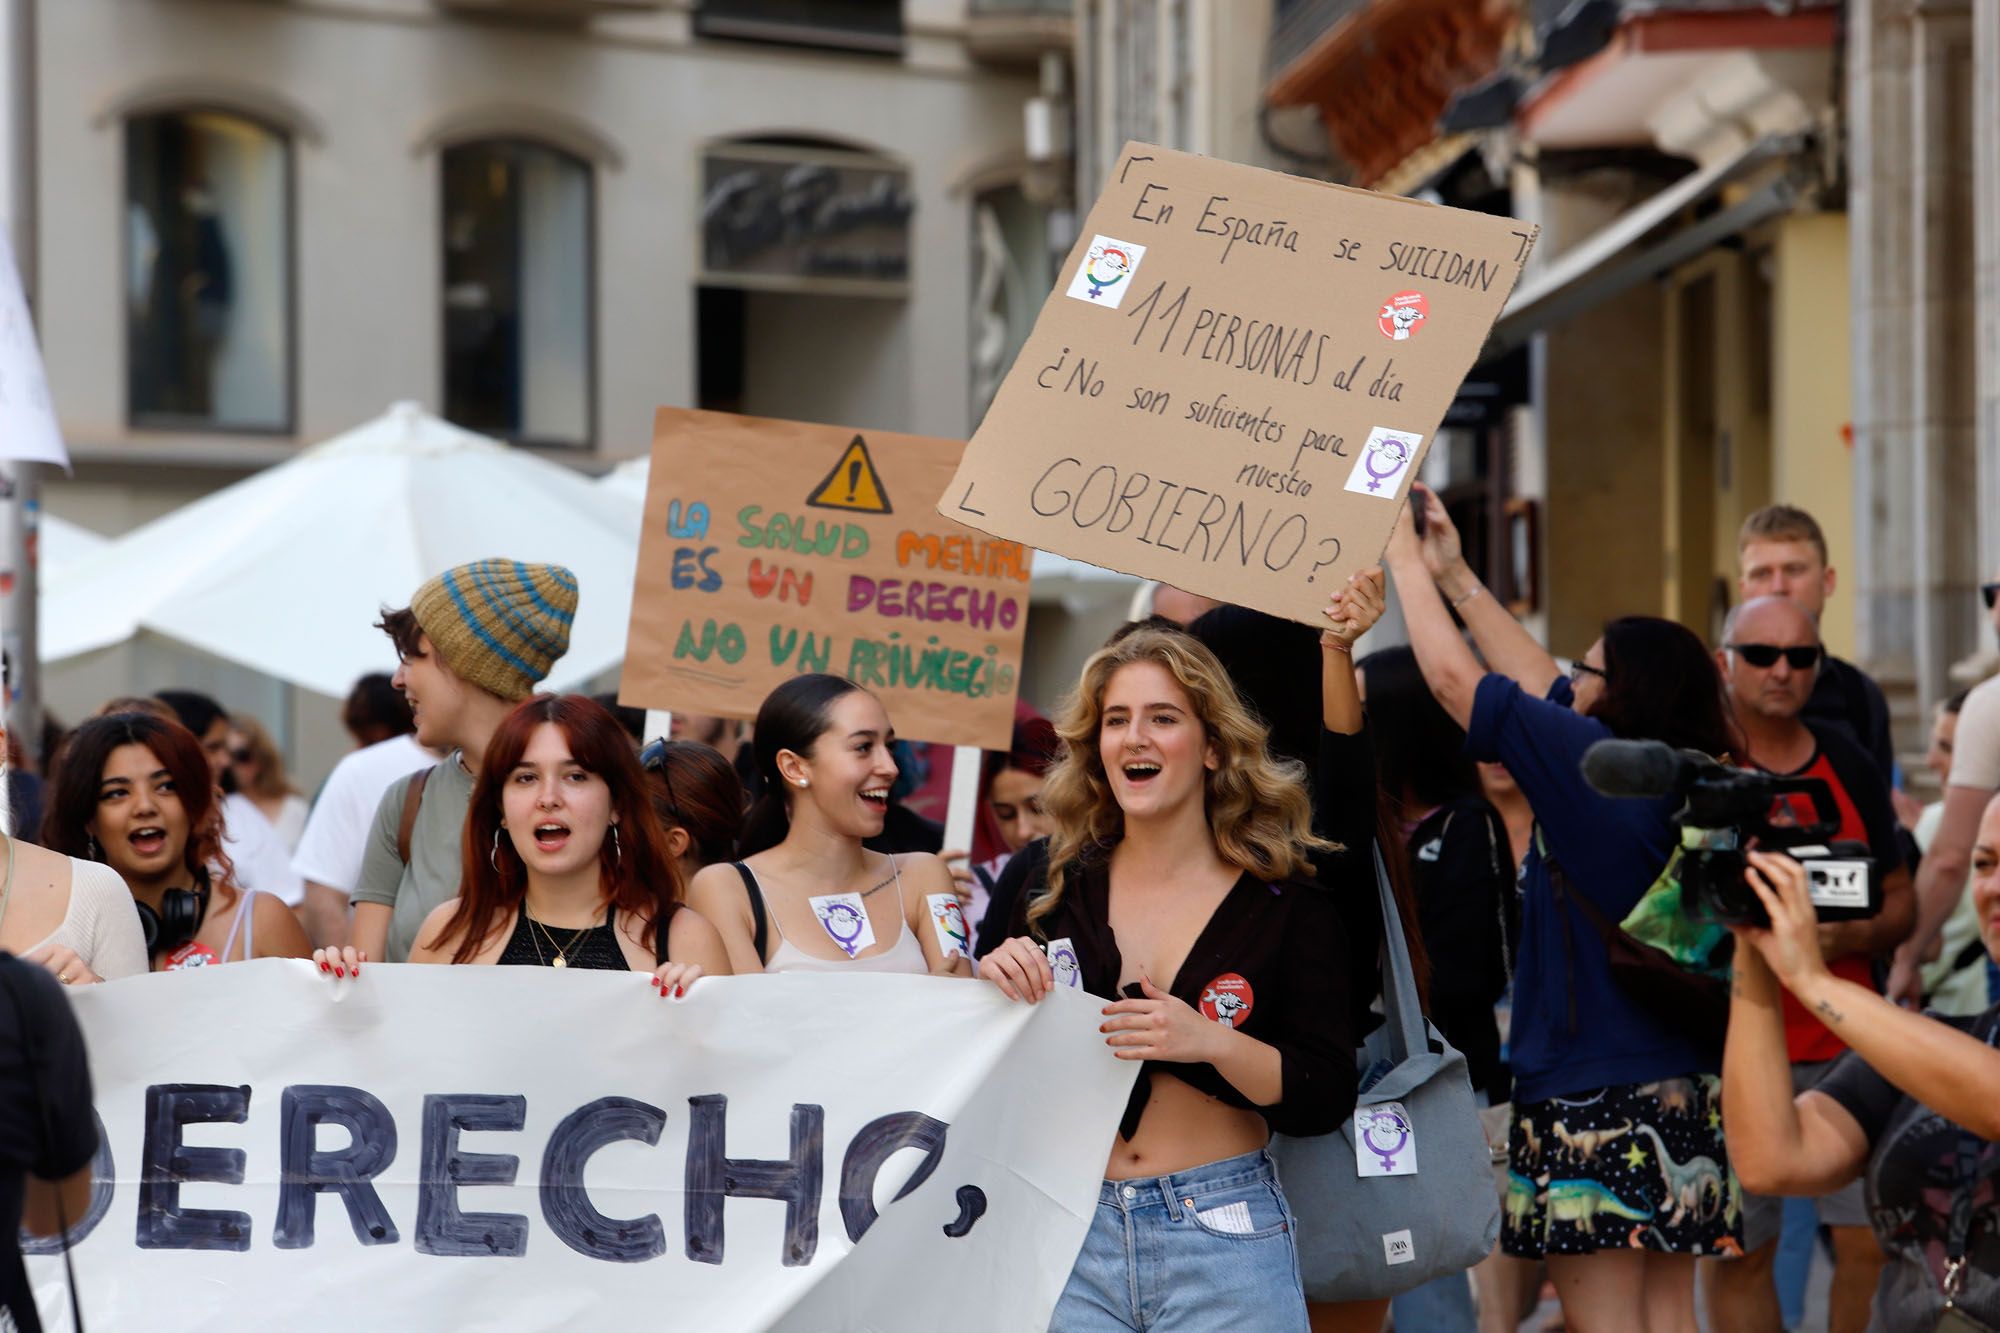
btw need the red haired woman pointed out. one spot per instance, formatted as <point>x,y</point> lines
<point>564,864</point>
<point>135,791</point>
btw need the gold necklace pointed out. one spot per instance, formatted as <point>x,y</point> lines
<point>561,951</point>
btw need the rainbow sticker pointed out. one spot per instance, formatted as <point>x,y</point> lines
<point>1106,272</point>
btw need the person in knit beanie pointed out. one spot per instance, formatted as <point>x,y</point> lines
<point>473,642</point>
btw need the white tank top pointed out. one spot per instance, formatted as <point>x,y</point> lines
<point>905,955</point>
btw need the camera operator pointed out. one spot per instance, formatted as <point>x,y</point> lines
<point>1911,1109</point>
<point>47,1131</point>
<point>1770,659</point>
<point>1611,1094</point>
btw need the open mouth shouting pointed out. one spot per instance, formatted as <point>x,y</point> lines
<point>1139,772</point>
<point>551,835</point>
<point>148,840</point>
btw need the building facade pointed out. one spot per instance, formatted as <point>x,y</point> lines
<point>251,224</point>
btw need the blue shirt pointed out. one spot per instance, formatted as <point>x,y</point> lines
<point>1610,849</point>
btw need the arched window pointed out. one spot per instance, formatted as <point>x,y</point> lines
<point>208,216</point>
<point>518,336</point>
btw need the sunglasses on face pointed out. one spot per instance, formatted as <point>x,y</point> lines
<point>1762,655</point>
<point>1990,592</point>
<point>242,756</point>
<point>1580,668</point>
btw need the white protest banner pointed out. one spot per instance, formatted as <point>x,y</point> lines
<point>1235,378</point>
<point>509,1148</point>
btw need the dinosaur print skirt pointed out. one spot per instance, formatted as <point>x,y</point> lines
<point>1633,1166</point>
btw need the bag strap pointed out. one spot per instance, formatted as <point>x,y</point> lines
<point>1500,900</point>
<point>763,931</point>
<point>1402,1011</point>
<point>1966,1168</point>
<point>413,799</point>
<point>1559,890</point>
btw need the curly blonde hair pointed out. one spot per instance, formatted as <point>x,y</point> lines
<point>1259,809</point>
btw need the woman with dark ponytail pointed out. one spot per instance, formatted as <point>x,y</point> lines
<point>806,895</point>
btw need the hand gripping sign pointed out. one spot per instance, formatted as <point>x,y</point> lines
<point>1235,378</point>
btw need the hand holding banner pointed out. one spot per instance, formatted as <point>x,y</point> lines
<point>1236,378</point>
<point>499,1147</point>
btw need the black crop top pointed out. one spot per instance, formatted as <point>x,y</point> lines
<point>594,948</point>
<point>1273,960</point>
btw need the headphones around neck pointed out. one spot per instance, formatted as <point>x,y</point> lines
<point>178,918</point>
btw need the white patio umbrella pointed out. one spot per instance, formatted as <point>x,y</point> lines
<point>65,543</point>
<point>286,572</point>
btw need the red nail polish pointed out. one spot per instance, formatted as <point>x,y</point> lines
<point>324,968</point>
<point>340,971</point>
<point>679,991</point>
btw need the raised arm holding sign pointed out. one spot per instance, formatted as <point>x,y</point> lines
<point>1236,378</point>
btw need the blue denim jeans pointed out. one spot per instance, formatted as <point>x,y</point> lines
<point>1203,1249</point>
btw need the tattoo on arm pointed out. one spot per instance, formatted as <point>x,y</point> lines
<point>1826,1011</point>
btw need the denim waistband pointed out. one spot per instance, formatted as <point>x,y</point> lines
<point>1208,1178</point>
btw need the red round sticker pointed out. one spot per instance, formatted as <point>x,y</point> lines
<point>1402,315</point>
<point>192,954</point>
<point>1227,1000</point>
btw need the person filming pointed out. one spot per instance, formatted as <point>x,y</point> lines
<point>1911,1110</point>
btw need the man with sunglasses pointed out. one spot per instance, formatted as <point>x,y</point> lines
<point>1946,868</point>
<point>1781,552</point>
<point>1770,658</point>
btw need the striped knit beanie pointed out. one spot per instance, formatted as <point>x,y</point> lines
<point>500,624</point>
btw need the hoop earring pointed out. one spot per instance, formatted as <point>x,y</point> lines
<point>493,857</point>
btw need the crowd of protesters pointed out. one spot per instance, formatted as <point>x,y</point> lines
<point>1193,839</point>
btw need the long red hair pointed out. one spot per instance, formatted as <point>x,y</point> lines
<point>641,878</point>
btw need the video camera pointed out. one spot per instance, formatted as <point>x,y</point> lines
<point>1725,812</point>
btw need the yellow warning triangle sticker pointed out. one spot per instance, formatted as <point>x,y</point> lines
<point>853,484</point>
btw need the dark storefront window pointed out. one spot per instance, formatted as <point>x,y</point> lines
<point>208,269</point>
<point>518,344</point>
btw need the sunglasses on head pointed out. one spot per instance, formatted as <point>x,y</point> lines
<point>1991,592</point>
<point>1767,654</point>
<point>653,759</point>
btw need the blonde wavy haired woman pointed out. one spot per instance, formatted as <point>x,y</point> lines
<point>1177,887</point>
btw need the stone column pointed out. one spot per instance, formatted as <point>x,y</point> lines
<point>1911,108</point>
<point>1986,274</point>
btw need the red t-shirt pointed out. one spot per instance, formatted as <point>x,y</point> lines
<point>1807,1040</point>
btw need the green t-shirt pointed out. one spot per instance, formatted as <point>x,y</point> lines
<point>431,877</point>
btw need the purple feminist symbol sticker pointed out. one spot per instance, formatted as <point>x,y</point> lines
<point>1385,1133</point>
<point>1385,458</point>
<point>844,923</point>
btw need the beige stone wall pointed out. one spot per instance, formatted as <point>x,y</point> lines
<point>1602,519</point>
<point>1811,458</point>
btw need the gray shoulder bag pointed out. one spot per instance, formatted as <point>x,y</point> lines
<point>1366,1237</point>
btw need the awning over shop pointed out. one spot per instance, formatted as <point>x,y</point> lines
<point>1612,261</point>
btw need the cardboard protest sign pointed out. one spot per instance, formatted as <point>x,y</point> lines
<point>773,548</point>
<point>1236,377</point>
<point>519,1148</point>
